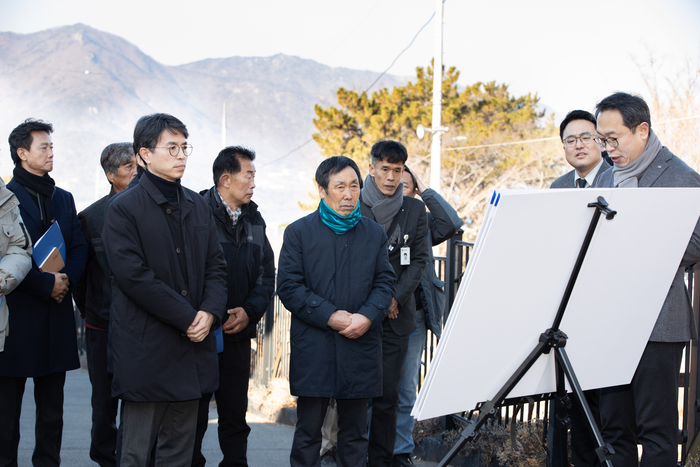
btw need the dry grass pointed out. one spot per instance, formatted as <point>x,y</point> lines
<point>494,442</point>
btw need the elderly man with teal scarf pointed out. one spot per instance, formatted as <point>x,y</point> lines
<point>336,280</point>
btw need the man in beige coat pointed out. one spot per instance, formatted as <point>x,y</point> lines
<point>15,253</point>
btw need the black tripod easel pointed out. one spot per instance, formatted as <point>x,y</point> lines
<point>552,339</point>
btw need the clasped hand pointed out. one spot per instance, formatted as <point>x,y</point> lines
<point>350,325</point>
<point>236,322</point>
<point>60,286</point>
<point>199,329</point>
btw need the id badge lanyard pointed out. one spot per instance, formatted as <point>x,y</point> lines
<point>405,252</point>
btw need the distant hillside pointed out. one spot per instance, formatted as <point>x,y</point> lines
<point>93,86</point>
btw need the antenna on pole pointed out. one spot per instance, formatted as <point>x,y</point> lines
<point>435,156</point>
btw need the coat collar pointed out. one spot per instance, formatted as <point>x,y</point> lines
<point>25,200</point>
<point>212,197</point>
<point>186,202</point>
<point>656,168</point>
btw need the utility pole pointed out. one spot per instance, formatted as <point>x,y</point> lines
<point>435,156</point>
<point>223,128</point>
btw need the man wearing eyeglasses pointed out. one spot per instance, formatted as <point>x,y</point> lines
<point>578,132</point>
<point>168,292</point>
<point>646,410</point>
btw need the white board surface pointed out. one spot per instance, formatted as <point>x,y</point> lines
<point>516,278</point>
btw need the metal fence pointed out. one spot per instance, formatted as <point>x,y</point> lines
<point>270,355</point>
<point>271,352</point>
<point>271,348</point>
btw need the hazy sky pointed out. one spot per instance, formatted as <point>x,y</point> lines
<point>571,54</point>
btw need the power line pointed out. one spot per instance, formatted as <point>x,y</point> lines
<point>366,90</point>
<point>401,53</point>
<point>678,119</point>
<point>502,144</point>
<point>551,138</point>
<point>351,31</point>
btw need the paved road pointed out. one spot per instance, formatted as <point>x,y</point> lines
<point>268,445</point>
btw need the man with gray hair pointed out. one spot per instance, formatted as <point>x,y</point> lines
<point>336,280</point>
<point>93,297</point>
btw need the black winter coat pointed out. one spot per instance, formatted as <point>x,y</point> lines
<point>93,294</point>
<point>153,302</point>
<point>443,222</point>
<point>321,272</point>
<point>250,262</point>
<point>41,338</point>
<point>412,221</point>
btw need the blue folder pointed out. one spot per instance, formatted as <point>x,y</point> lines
<point>53,238</point>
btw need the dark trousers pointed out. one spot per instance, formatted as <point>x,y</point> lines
<point>382,431</point>
<point>351,450</point>
<point>104,406</point>
<point>231,405</point>
<point>583,444</point>
<point>48,429</point>
<point>170,426</point>
<point>198,459</point>
<point>645,411</point>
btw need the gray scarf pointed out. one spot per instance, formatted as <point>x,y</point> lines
<point>628,176</point>
<point>384,209</point>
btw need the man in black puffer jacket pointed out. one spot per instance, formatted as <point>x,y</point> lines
<point>251,282</point>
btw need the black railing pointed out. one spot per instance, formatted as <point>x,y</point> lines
<point>270,356</point>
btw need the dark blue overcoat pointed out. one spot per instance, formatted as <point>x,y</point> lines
<point>320,272</point>
<point>42,338</point>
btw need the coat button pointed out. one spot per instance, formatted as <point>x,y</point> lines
<point>168,211</point>
<point>177,250</point>
<point>184,293</point>
<point>313,302</point>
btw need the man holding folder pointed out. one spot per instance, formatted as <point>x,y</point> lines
<point>41,343</point>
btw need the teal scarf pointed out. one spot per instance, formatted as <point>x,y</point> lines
<point>335,221</point>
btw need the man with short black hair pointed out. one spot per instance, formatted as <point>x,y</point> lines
<point>336,280</point>
<point>578,132</point>
<point>646,410</point>
<point>93,298</point>
<point>405,223</point>
<point>41,343</point>
<point>250,264</point>
<point>579,135</point>
<point>168,291</point>
<point>443,223</point>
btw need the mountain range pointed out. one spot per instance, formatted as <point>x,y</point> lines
<point>93,86</point>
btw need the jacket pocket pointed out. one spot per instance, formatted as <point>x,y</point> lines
<point>8,230</point>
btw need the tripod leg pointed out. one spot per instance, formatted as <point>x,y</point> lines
<point>488,409</point>
<point>559,424</point>
<point>604,451</point>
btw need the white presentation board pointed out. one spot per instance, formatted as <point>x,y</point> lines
<point>516,277</point>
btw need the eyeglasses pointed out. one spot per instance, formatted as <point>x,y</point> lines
<point>584,137</point>
<point>174,149</point>
<point>613,142</point>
